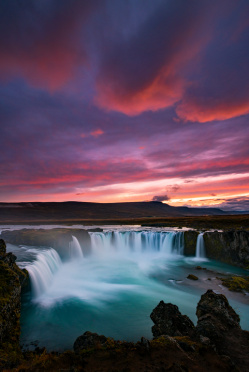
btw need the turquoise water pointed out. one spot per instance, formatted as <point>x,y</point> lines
<point>111,292</point>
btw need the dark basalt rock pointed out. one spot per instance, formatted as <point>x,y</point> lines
<point>11,278</point>
<point>88,340</point>
<point>218,321</point>
<point>190,239</point>
<point>216,309</point>
<point>2,248</point>
<point>231,247</point>
<point>169,321</point>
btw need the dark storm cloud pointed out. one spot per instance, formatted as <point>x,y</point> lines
<point>160,198</point>
<point>236,204</point>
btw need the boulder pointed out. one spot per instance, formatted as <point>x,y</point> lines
<point>192,277</point>
<point>218,322</point>
<point>88,340</point>
<point>215,308</point>
<point>169,321</point>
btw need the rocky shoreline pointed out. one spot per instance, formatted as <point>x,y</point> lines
<point>217,343</point>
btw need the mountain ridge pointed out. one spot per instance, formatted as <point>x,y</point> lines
<point>36,211</point>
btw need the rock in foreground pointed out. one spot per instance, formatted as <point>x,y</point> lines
<point>169,321</point>
<point>218,326</point>
<point>218,321</point>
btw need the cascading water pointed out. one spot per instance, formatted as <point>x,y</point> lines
<point>139,242</point>
<point>75,249</point>
<point>110,291</point>
<point>200,248</point>
<point>43,269</point>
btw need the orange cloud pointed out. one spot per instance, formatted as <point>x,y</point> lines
<point>97,133</point>
<point>191,111</point>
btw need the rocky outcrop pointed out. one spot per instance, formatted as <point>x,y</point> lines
<point>89,340</point>
<point>218,328</point>
<point>218,322</point>
<point>11,278</point>
<point>231,247</point>
<point>58,238</point>
<point>169,321</point>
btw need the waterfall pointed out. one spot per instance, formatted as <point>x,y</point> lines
<point>42,270</point>
<point>142,247</point>
<point>200,247</point>
<point>127,242</point>
<point>75,249</point>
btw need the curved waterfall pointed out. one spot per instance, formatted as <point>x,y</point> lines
<point>126,242</point>
<point>42,270</point>
<point>75,249</point>
<point>141,246</point>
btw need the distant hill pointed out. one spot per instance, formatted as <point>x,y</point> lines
<point>66,211</point>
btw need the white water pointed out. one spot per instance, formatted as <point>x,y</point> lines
<point>43,270</point>
<point>200,248</point>
<point>98,277</point>
<point>126,243</point>
<point>112,291</point>
<point>75,249</point>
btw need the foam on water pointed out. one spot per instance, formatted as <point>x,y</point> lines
<point>112,291</point>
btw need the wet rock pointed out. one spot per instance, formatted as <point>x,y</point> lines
<point>88,340</point>
<point>169,321</point>
<point>192,277</point>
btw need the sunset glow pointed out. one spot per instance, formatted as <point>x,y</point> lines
<point>117,101</point>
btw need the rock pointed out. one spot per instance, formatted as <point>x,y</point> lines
<point>88,340</point>
<point>192,277</point>
<point>55,238</point>
<point>216,309</point>
<point>145,343</point>
<point>2,248</point>
<point>10,304</point>
<point>190,239</point>
<point>218,321</point>
<point>169,321</point>
<point>200,268</point>
<point>231,247</point>
<point>236,283</point>
<point>204,340</point>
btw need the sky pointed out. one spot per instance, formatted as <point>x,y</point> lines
<point>125,100</point>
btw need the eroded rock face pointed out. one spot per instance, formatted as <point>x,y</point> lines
<point>228,246</point>
<point>88,340</point>
<point>55,238</point>
<point>169,321</point>
<point>11,278</point>
<point>190,239</point>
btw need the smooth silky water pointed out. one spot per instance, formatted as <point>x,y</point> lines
<point>112,291</point>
